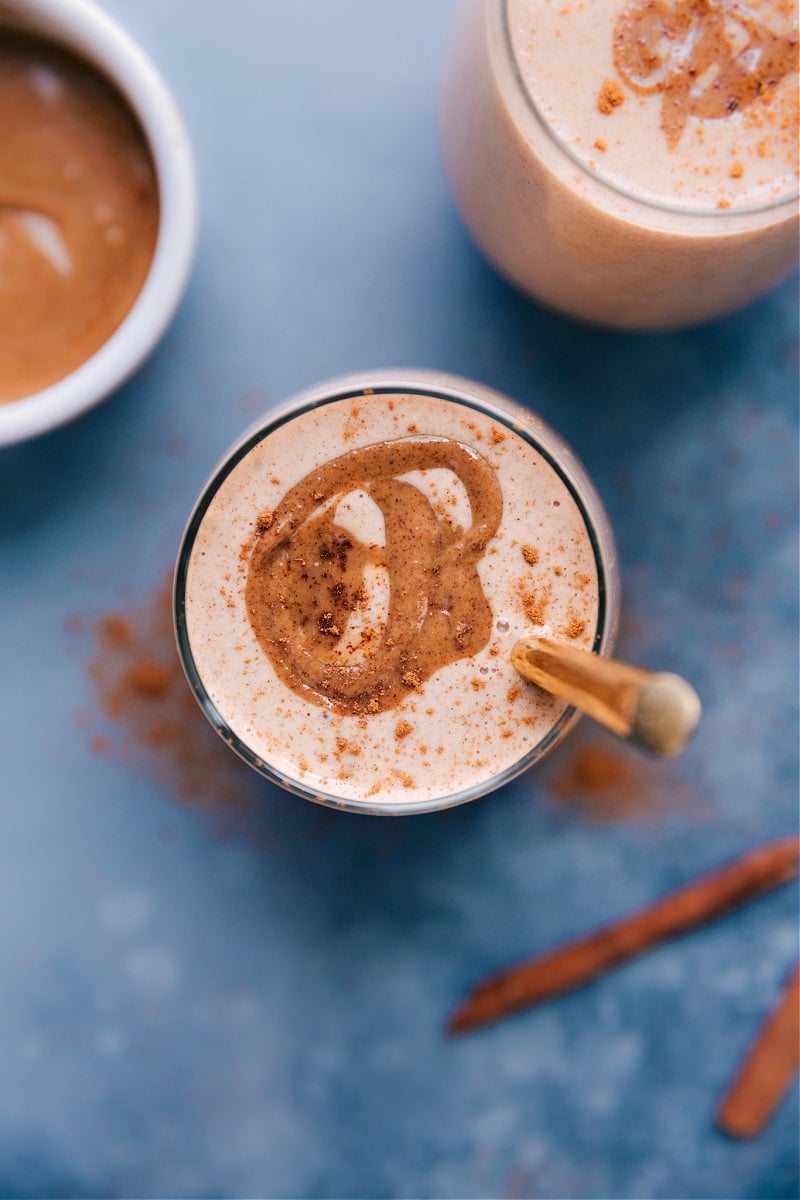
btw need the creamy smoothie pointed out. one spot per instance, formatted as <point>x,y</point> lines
<point>79,213</point>
<point>632,162</point>
<point>355,575</point>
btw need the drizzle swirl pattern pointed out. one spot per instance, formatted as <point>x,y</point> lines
<point>307,574</point>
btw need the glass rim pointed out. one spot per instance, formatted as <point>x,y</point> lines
<point>652,202</point>
<point>607,606</point>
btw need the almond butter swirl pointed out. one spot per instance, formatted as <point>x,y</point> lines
<point>708,58</point>
<point>306,576</point>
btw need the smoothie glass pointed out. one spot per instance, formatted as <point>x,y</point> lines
<point>552,216</point>
<point>467,726</point>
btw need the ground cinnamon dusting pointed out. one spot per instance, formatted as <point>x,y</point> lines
<point>610,97</point>
<point>148,678</point>
<point>535,603</point>
<point>114,630</point>
<point>146,716</point>
<point>594,769</point>
<point>531,555</point>
<point>461,633</point>
<point>605,783</point>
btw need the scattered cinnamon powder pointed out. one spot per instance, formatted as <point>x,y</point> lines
<point>148,678</point>
<point>593,769</point>
<point>531,555</point>
<point>610,96</point>
<point>147,717</point>
<point>535,603</point>
<point>736,171</point>
<point>600,779</point>
<point>114,630</point>
<point>604,783</point>
<point>601,145</point>
<point>264,521</point>
<point>327,625</point>
<point>402,729</point>
<point>575,629</point>
<point>462,633</point>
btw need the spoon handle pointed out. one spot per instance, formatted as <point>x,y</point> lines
<point>655,711</point>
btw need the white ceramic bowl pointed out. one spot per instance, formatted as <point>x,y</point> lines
<point>84,28</point>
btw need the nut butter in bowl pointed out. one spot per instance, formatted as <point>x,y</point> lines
<point>356,573</point>
<point>97,210</point>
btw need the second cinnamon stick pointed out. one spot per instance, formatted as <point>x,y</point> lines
<point>768,1068</point>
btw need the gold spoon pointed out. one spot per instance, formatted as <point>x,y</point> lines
<point>656,711</point>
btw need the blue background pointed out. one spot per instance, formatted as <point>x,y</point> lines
<point>257,1009</point>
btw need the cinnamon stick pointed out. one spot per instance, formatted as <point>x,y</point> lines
<point>578,962</point>
<point>767,1069</point>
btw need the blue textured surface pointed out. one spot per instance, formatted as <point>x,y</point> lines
<point>260,1014</point>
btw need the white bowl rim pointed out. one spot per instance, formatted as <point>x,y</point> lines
<point>83,27</point>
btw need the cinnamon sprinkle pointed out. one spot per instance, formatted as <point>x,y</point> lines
<point>148,678</point>
<point>580,961</point>
<point>146,715</point>
<point>610,97</point>
<point>535,603</point>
